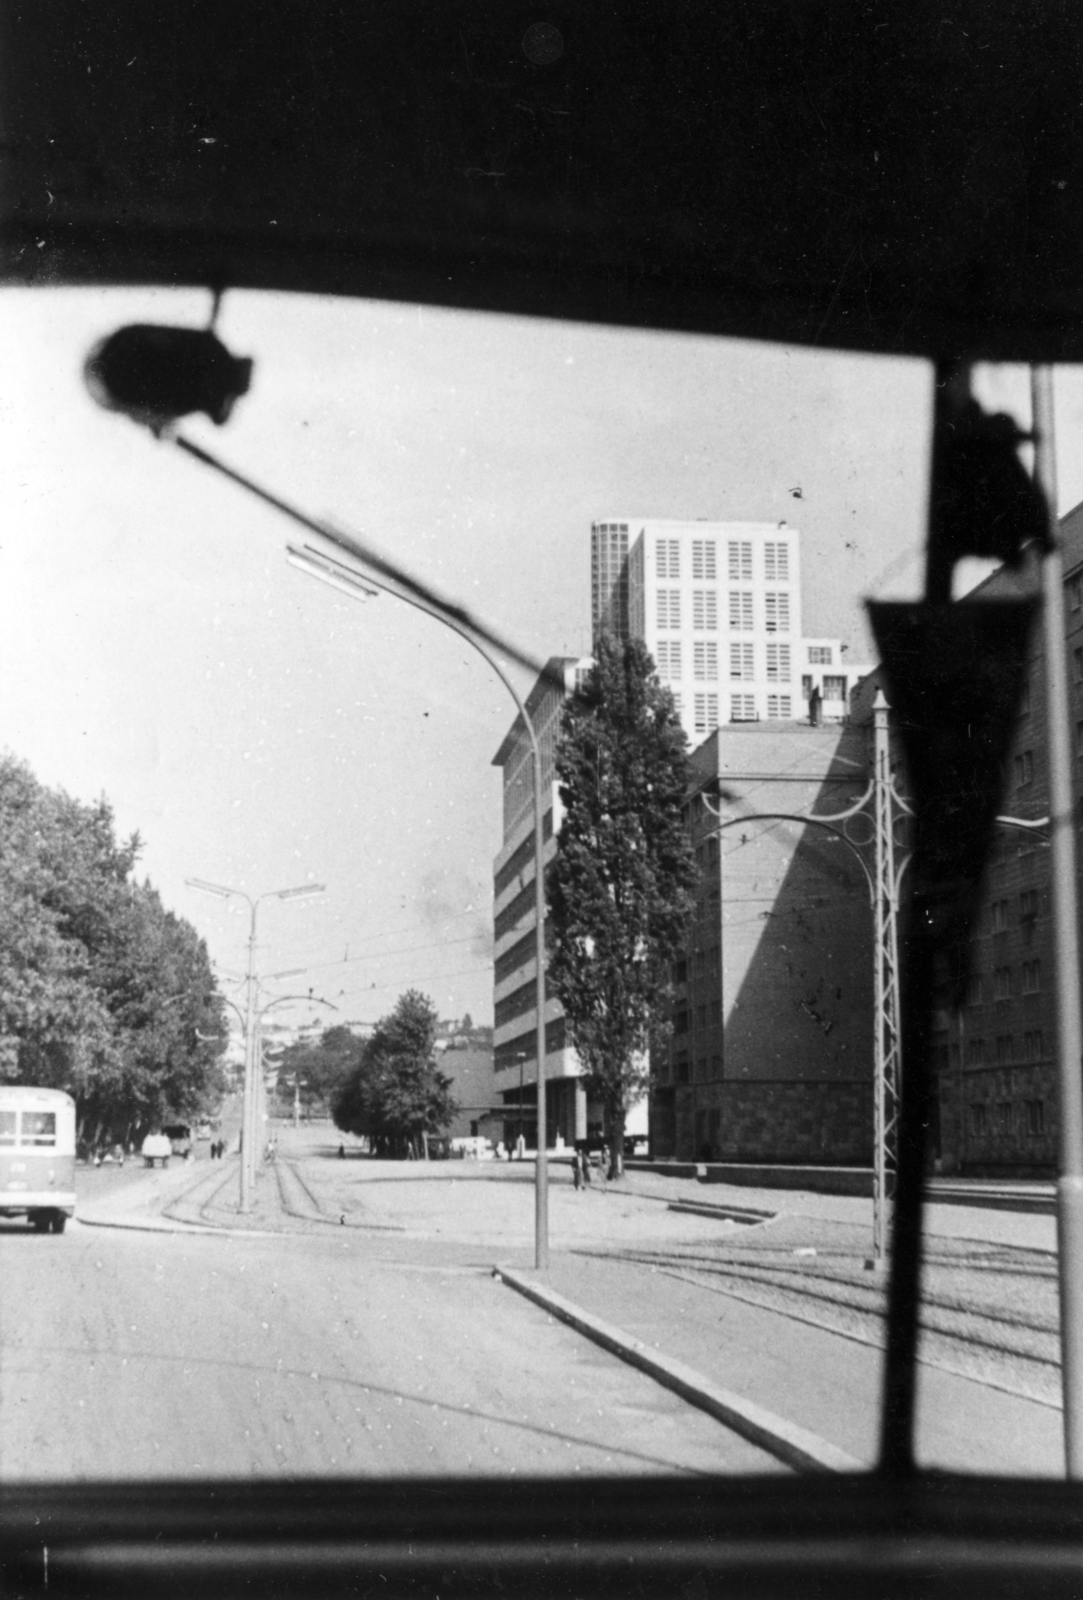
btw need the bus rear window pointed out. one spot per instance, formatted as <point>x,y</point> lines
<point>7,1127</point>
<point>39,1127</point>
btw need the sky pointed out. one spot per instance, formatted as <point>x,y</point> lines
<point>259,730</point>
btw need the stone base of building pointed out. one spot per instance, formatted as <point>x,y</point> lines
<point>765,1123</point>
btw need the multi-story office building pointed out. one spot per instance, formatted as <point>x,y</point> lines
<point>718,605</point>
<point>515,1035</point>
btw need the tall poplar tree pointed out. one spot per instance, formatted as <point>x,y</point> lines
<point>619,890</point>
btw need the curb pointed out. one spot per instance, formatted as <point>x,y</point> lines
<point>785,1440</point>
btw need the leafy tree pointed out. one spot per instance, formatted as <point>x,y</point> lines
<point>396,1094</point>
<point>620,887</point>
<point>102,991</point>
<point>322,1066</point>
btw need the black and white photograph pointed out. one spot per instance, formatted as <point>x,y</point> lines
<point>541,766</point>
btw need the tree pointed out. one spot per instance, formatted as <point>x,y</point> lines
<point>103,992</point>
<point>619,890</point>
<point>321,1067</point>
<point>396,1095</point>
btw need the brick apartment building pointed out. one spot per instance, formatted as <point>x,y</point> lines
<point>998,1094</point>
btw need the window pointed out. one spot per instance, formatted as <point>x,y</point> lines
<point>778,663</point>
<point>669,608</point>
<point>741,610</point>
<point>740,560</point>
<point>1002,983</point>
<point>742,708</point>
<point>705,660</point>
<point>979,1118</point>
<point>999,914</point>
<point>682,1071</point>
<point>667,555</point>
<point>779,708</point>
<point>806,686</point>
<point>1024,768</point>
<point>7,1127</point>
<point>1074,590</point>
<point>39,1127</point>
<point>1004,1116</point>
<point>680,971</point>
<point>776,561</point>
<point>1005,1048</point>
<point>1028,905</point>
<point>974,990</point>
<point>706,713</point>
<point>1024,698</point>
<point>741,661</point>
<point>777,609</point>
<point>703,559</point>
<point>1032,977</point>
<point>669,658</point>
<point>819,655</point>
<point>834,688</point>
<point>1033,1045</point>
<point>1034,1111</point>
<point>705,610</point>
<point>975,1052</point>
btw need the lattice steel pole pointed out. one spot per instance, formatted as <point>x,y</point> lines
<point>887,1054</point>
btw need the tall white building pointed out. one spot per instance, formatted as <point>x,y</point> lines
<point>718,605</point>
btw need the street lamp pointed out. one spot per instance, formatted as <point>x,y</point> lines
<point>316,563</point>
<point>251,1022</point>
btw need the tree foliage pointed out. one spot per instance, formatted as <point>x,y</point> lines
<point>103,992</point>
<point>396,1094</point>
<point>320,1067</point>
<point>619,890</point>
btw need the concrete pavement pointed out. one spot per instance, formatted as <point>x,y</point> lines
<point>812,1379</point>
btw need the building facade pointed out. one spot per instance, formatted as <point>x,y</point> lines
<point>995,1057</point>
<point>718,605</point>
<point>514,1036</point>
<point>771,1054</point>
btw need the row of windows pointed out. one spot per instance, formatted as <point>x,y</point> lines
<point>1003,983</point>
<point>834,687</point>
<point>1003,1050</point>
<point>1000,910</point>
<point>742,659</point>
<point>705,610</point>
<point>776,556</point>
<point>1002,1120</point>
<point>705,710</point>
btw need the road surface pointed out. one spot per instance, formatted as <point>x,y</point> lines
<point>129,1354</point>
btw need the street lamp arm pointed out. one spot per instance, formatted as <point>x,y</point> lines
<point>309,999</point>
<point>407,588</point>
<point>795,816</point>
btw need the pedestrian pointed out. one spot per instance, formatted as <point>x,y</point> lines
<point>342,1152</point>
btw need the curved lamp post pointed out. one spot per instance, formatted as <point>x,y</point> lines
<point>251,1020</point>
<point>328,569</point>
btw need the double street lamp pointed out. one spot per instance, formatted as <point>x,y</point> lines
<point>251,1021</point>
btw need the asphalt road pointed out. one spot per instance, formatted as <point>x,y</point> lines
<point>129,1354</point>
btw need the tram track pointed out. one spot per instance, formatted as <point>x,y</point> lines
<point>1002,1345</point>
